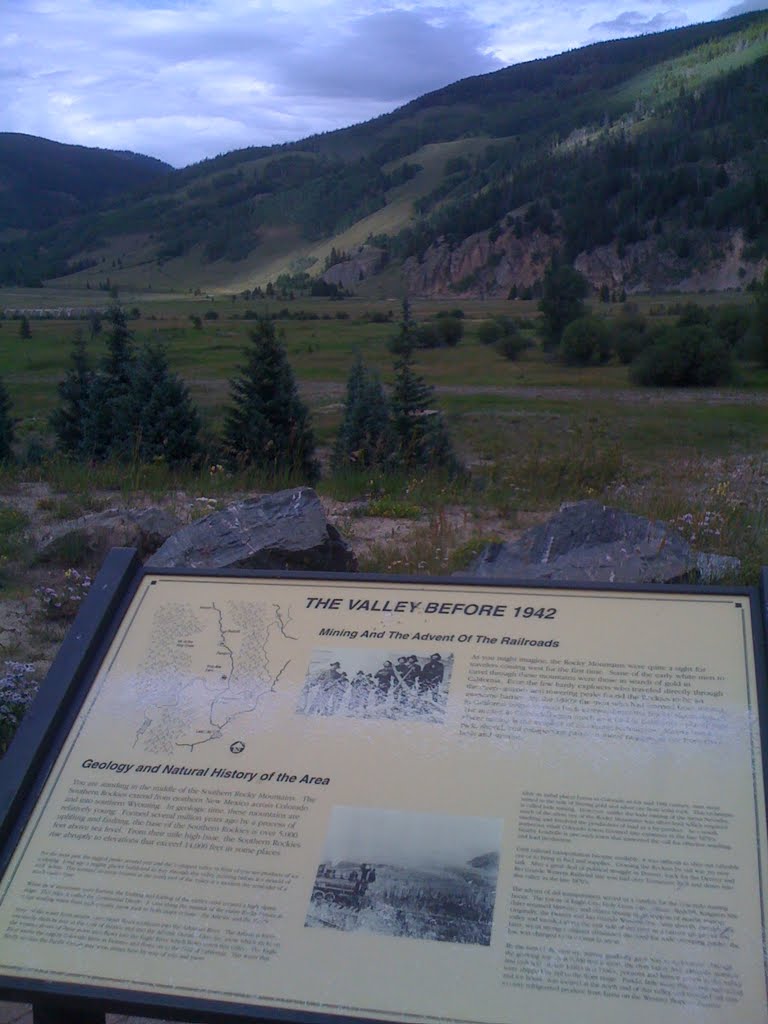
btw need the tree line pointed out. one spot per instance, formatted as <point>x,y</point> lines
<point>131,407</point>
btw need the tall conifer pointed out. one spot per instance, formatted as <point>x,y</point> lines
<point>267,425</point>
<point>165,422</point>
<point>68,421</point>
<point>364,439</point>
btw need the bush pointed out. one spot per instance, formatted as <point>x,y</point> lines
<point>585,342</point>
<point>562,301</point>
<point>731,324</point>
<point>17,689</point>
<point>684,356</point>
<point>6,424</point>
<point>511,345</point>
<point>630,336</point>
<point>489,331</point>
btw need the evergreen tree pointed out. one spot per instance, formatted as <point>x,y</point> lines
<point>420,435</point>
<point>68,421</point>
<point>108,426</point>
<point>166,424</point>
<point>364,438</point>
<point>405,340</point>
<point>6,424</point>
<point>267,425</point>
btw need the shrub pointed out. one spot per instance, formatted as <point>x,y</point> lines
<point>489,331</point>
<point>17,689</point>
<point>63,600</point>
<point>511,345</point>
<point>684,356</point>
<point>562,301</point>
<point>630,336</point>
<point>731,324</point>
<point>585,342</point>
<point>6,424</point>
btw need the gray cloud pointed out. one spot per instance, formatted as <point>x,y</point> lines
<point>392,56</point>
<point>186,79</point>
<point>633,23</point>
<point>745,8</point>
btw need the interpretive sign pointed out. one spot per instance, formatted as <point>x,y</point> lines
<point>410,801</point>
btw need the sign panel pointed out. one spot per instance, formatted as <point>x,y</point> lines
<point>409,801</point>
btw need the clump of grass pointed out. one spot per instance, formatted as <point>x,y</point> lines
<point>582,461</point>
<point>13,540</point>
<point>72,507</point>
<point>717,505</point>
<point>437,548</point>
<point>391,508</point>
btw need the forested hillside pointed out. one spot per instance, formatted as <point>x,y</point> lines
<point>42,182</point>
<point>644,159</point>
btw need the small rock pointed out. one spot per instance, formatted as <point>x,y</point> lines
<point>284,530</point>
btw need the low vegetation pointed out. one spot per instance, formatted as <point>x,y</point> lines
<point>448,447</point>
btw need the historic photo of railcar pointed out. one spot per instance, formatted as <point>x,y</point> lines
<point>361,683</point>
<point>400,873</point>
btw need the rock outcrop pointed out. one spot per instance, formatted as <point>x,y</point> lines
<point>590,542</point>
<point>284,530</point>
<point>362,262</point>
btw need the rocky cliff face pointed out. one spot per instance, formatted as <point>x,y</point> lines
<point>362,262</point>
<point>480,267</point>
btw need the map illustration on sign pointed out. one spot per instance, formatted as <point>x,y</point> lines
<point>207,666</point>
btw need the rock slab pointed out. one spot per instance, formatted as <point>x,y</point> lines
<point>590,542</point>
<point>90,538</point>
<point>284,530</point>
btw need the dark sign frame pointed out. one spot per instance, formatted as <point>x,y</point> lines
<point>46,726</point>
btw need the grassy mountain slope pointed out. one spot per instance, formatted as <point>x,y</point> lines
<point>630,155</point>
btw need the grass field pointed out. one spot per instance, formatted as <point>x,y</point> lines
<point>532,432</point>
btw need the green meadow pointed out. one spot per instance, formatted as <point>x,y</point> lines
<point>532,432</point>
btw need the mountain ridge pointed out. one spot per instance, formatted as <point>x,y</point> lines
<point>643,160</point>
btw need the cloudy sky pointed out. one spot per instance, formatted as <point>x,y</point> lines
<point>187,79</point>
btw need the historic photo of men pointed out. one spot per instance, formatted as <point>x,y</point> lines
<point>410,874</point>
<point>360,683</point>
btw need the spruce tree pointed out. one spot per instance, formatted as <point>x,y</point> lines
<point>364,439</point>
<point>108,426</point>
<point>420,435</point>
<point>405,340</point>
<point>68,421</point>
<point>165,422</point>
<point>6,424</point>
<point>267,425</point>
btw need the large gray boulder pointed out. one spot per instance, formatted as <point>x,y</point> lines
<point>284,530</point>
<point>88,539</point>
<point>591,542</point>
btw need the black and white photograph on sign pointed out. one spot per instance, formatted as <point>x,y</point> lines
<point>361,683</point>
<point>402,873</point>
